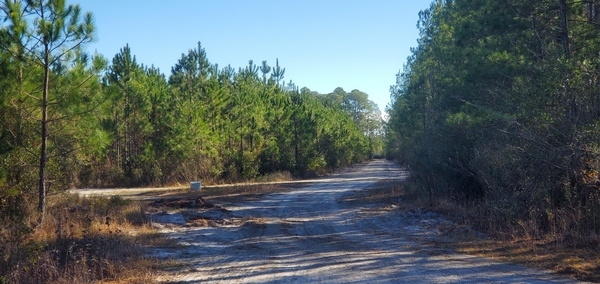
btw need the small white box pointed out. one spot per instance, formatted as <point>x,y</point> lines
<point>195,185</point>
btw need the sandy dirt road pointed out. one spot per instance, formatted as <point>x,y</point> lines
<point>312,234</point>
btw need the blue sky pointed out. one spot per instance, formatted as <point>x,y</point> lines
<point>322,44</point>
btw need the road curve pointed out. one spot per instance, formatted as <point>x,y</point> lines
<point>311,235</point>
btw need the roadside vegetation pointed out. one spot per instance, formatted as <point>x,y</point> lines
<point>496,115</point>
<point>581,261</point>
<point>101,239</point>
<point>81,241</point>
<point>462,235</point>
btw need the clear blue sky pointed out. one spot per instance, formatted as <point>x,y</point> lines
<point>322,44</point>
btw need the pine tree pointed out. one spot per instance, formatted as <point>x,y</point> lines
<point>47,32</point>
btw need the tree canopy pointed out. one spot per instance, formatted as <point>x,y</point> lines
<point>498,105</point>
<point>84,121</point>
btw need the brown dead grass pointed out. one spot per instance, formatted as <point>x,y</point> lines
<point>104,239</point>
<point>385,192</point>
<point>95,240</point>
<point>582,263</point>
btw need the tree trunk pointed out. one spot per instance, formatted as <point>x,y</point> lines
<point>592,11</point>
<point>596,10</point>
<point>44,146</point>
<point>296,142</point>
<point>564,27</point>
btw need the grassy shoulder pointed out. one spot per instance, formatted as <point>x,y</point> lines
<point>83,240</point>
<point>580,261</point>
<point>99,239</point>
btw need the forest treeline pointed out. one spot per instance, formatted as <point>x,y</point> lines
<point>71,119</point>
<point>498,111</point>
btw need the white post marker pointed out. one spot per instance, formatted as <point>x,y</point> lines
<point>195,185</point>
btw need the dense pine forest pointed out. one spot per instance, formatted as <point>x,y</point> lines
<point>73,119</point>
<point>497,111</point>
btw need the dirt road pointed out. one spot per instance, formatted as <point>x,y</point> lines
<point>313,234</point>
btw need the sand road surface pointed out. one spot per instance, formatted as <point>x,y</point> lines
<point>312,234</point>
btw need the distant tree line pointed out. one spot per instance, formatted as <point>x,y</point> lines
<point>70,119</point>
<point>498,111</point>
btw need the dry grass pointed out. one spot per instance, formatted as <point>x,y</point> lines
<point>580,262</point>
<point>85,241</point>
<point>385,192</point>
<point>277,176</point>
<point>583,264</point>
